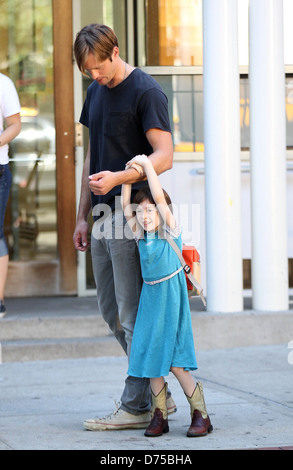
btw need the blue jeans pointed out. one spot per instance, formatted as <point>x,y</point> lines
<point>117,273</point>
<point>5,185</point>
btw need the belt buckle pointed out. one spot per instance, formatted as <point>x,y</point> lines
<point>187,269</point>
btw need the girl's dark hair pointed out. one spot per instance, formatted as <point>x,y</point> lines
<point>145,194</point>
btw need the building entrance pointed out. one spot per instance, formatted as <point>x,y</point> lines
<point>33,216</point>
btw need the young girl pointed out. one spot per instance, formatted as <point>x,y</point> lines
<point>162,338</point>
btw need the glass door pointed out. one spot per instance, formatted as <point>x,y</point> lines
<point>118,16</point>
<point>151,36</point>
<point>31,223</point>
<point>27,59</point>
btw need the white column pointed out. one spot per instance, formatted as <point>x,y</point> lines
<point>268,156</point>
<point>222,156</point>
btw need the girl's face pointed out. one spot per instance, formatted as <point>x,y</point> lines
<point>148,216</point>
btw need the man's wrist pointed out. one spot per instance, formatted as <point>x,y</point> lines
<point>138,168</point>
<point>129,176</point>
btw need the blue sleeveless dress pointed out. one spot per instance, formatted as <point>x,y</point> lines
<point>162,335</point>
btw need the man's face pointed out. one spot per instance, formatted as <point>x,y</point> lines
<point>102,72</point>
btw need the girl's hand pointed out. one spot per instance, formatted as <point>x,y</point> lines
<point>139,160</point>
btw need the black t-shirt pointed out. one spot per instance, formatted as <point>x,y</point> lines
<point>118,119</point>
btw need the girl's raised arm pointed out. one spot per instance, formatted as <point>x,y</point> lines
<point>128,209</point>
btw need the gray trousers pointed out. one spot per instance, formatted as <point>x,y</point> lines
<point>117,273</point>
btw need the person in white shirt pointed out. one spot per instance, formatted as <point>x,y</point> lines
<point>10,126</point>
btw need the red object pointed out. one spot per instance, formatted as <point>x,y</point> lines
<point>191,256</point>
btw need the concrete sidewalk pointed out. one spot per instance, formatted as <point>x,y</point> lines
<point>248,392</point>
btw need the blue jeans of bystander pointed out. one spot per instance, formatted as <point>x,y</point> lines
<point>5,185</point>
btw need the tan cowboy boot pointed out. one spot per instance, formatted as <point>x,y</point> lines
<point>200,424</point>
<point>159,415</point>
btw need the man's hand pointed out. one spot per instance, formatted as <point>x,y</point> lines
<point>80,236</point>
<point>101,183</point>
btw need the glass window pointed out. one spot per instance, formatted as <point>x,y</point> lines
<point>185,97</point>
<point>174,32</point>
<point>244,112</point>
<point>112,13</point>
<point>174,38</point>
<point>109,12</point>
<point>289,110</point>
<point>26,56</point>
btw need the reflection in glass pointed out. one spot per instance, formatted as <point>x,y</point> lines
<point>185,97</point>
<point>245,116</point>
<point>26,50</point>
<point>289,111</point>
<point>112,13</point>
<point>174,32</point>
<point>244,113</point>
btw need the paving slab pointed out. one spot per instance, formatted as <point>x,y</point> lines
<point>248,392</point>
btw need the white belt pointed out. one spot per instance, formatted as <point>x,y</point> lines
<point>152,283</point>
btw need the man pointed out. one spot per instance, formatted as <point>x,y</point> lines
<point>127,114</point>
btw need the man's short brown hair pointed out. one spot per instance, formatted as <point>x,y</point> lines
<point>96,39</point>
